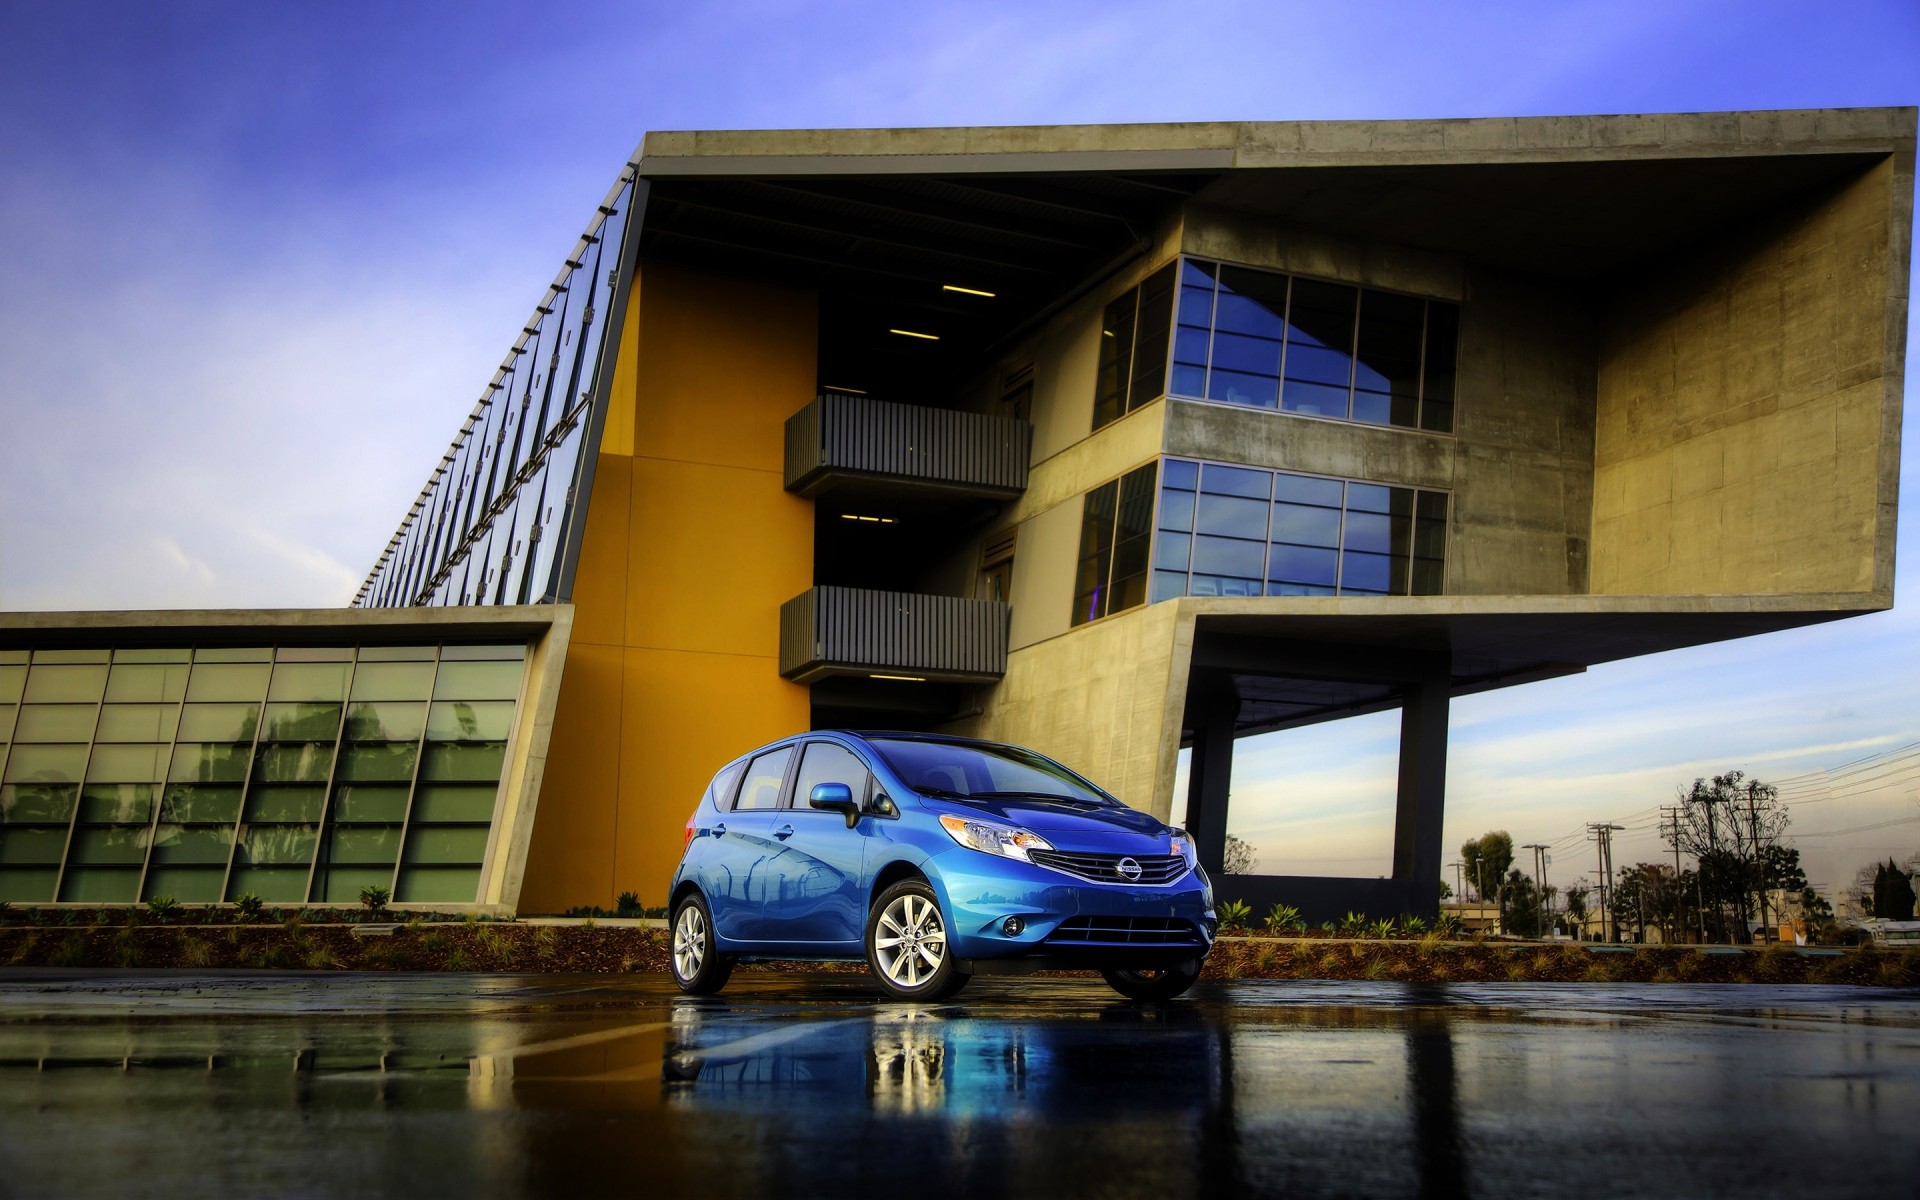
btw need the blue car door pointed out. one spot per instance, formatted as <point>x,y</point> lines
<point>817,901</point>
<point>744,865</point>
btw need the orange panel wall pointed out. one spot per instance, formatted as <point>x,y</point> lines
<point>691,546</point>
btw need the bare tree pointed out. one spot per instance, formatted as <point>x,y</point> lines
<point>1240,857</point>
<point>1732,825</point>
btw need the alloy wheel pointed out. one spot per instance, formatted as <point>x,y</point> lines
<point>911,941</point>
<point>689,941</point>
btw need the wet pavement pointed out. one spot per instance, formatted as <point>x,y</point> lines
<point>216,1084</point>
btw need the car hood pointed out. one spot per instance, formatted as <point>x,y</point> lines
<point>1049,818</point>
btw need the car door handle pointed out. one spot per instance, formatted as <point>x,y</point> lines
<point>784,832</point>
<point>720,829</point>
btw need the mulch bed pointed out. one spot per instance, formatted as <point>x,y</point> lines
<point>510,947</point>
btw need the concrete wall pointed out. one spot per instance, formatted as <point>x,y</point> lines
<point>1523,434</point>
<point>1746,395</point>
<point>1105,699</point>
<point>691,546</point>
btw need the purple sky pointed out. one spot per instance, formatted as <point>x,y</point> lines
<point>258,259</point>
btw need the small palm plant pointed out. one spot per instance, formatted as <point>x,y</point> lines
<point>1353,922</point>
<point>163,907</point>
<point>248,906</point>
<point>1383,928</point>
<point>375,897</point>
<point>1234,914</point>
<point>1283,918</point>
<point>1414,925</point>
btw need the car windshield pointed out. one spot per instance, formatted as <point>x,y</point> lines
<point>972,771</point>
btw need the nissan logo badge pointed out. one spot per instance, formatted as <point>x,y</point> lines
<point>1129,869</point>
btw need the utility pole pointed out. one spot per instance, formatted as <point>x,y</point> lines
<point>1539,880</point>
<point>1759,867</point>
<point>1670,818</point>
<point>1713,845</point>
<point>1603,842</point>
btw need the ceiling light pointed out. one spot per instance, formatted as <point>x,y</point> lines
<point>902,678</point>
<point>931,337</point>
<point>856,517</point>
<point>948,287</point>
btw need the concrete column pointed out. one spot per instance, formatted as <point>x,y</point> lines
<point>1210,772</point>
<point>1423,792</point>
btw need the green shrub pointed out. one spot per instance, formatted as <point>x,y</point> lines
<point>1234,914</point>
<point>163,907</point>
<point>1414,925</point>
<point>628,905</point>
<point>1353,922</point>
<point>1383,928</point>
<point>375,898</point>
<point>1282,917</point>
<point>1447,925</point>
<point>248,906</point>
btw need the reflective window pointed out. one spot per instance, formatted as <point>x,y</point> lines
<point>1116,531</point>
<point>297,775</point>
<point>1239,531</point>
<point>1267,340</point>
<point>1134,337</point>
<point>488,525</point>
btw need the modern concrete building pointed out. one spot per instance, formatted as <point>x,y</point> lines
<point>1106,440</point>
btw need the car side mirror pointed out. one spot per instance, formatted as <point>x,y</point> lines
<point>835,797</point>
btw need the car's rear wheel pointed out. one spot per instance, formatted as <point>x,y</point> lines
<point>698,965</point>
<point>1159,983</point>
<point>907,948</point>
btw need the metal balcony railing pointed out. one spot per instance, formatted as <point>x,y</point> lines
<point>857,631</point>
<point>848,438</point>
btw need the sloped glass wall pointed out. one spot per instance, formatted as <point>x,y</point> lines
<point>492,524</point>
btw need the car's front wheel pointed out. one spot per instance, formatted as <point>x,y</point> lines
<point>1161,983</point>
<point>907,948</point>
<point>698,965</point>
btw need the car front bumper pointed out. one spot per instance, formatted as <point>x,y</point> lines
<point>1070,921</point>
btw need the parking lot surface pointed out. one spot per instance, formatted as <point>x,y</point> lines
<point>215,1084</point>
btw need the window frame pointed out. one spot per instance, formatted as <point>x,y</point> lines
<point>1339,550</point>
<point>1216,266</point>
<point>1106,586</point>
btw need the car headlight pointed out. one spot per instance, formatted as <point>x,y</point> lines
<point>1182,844</point>
<point>1008,841</point>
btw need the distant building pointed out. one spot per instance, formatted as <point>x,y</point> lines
<point>1104,440</point>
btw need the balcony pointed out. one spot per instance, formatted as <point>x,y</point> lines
<point>827,631</point>
<point>873,447</point>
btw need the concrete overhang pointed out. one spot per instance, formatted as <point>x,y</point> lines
<point>1339,656</point>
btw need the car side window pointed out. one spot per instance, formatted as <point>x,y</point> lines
<point>829,762</point>
<point>721,789</point>
<point>761,788</point>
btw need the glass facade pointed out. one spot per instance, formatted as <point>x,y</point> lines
<point>493,523</point>
<point>1243,531</point>
<point>1262,339</point>
<point>295,774</point>
<point>1116,530</point>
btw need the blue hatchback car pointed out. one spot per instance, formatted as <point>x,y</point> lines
<point>934,859</point>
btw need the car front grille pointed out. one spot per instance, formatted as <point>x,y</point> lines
<point>1125,931</point>
<point>1105,868</point>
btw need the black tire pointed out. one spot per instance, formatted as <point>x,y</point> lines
<point>1163,983</point>
<point>697,964</point>
<point>925,969</point>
